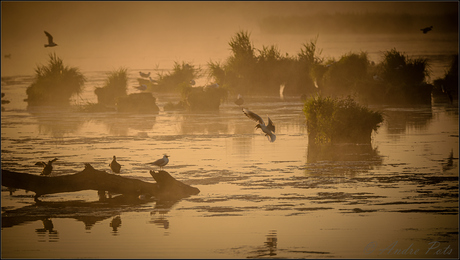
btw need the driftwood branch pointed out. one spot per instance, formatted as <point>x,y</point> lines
<point>166,187</point>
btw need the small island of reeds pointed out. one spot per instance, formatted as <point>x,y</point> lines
<point>334,120</point>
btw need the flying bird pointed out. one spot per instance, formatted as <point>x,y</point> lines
<point>114,165</point>
<point>269,129</point>
<point>161,162</point>
<point>192,82</point>
<point>47,167</point>
<point>7,56</point>
<point>144,75</point>
<point>426,29</point>
<point>239,100</point>
<point>50,40</point>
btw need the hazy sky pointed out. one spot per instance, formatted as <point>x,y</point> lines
<point>106,35</point>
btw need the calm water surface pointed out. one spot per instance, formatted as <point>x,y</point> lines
<point>258,199</point>
<point>397,197</point>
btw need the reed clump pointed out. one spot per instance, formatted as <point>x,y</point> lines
<point>54,84</point>
<point>448,85</point>
<point>333,120</point>
<point>181,75</point>
<point>115,86</point>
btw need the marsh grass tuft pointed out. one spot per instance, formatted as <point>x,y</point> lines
<point>115,86</point>
<point>333,120</point>
<point>54,84</point>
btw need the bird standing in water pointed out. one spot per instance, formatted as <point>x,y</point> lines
<point>267,129</point>
<point>161,162</point>
<point>114,165</point>
<point>47,167</point>
<point>50,40</point>
<point>144,75</point>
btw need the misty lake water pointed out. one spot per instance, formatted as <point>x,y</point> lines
<point>396,197</point>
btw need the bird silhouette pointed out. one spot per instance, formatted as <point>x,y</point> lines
<point>426,29</point>
<point>144,75</point>
<point>50,40</point>
<point>161,162</point>
<point>47,167</point>
<point>267,129</point>
<point>114,165</point>
<point>239,100</point>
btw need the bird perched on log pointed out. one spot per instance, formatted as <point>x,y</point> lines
<point>239,100</point>
<point>426,29</point>
<point>47,167</point>
<point>50,40</point>
<point>267,129</point>
<point>161,162</point>
<point>114,165</point>
<point>144,75</point>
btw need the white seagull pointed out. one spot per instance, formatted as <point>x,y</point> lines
<point>161,162</point>
<point>50,40</point>
<point>267,129</point>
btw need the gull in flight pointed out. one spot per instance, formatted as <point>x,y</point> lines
<point>47,167</point>
<point>161,162</point>
<point>50,40</point>
<point>114,165</point>
<point>426,29</point>
<point>267,129</point>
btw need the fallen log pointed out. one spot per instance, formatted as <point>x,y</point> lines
<point>165,188</point>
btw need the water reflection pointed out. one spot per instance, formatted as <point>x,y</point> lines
<point>115,224</point>
<point>269,247</point>
<point>210,123</point>
<point>119,124</point>
<point>58,124</point>
<point>342,159</point>
<point>162,208</point>
<point>90,221</point>
<point>400,119</point>
<point>448,163</point>
<point>47,227</point>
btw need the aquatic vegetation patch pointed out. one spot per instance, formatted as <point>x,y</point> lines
<point>54,84</point>
<point>115,86</point>
<point>333,120</point>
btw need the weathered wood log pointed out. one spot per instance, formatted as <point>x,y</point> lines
<point>166,187</point>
